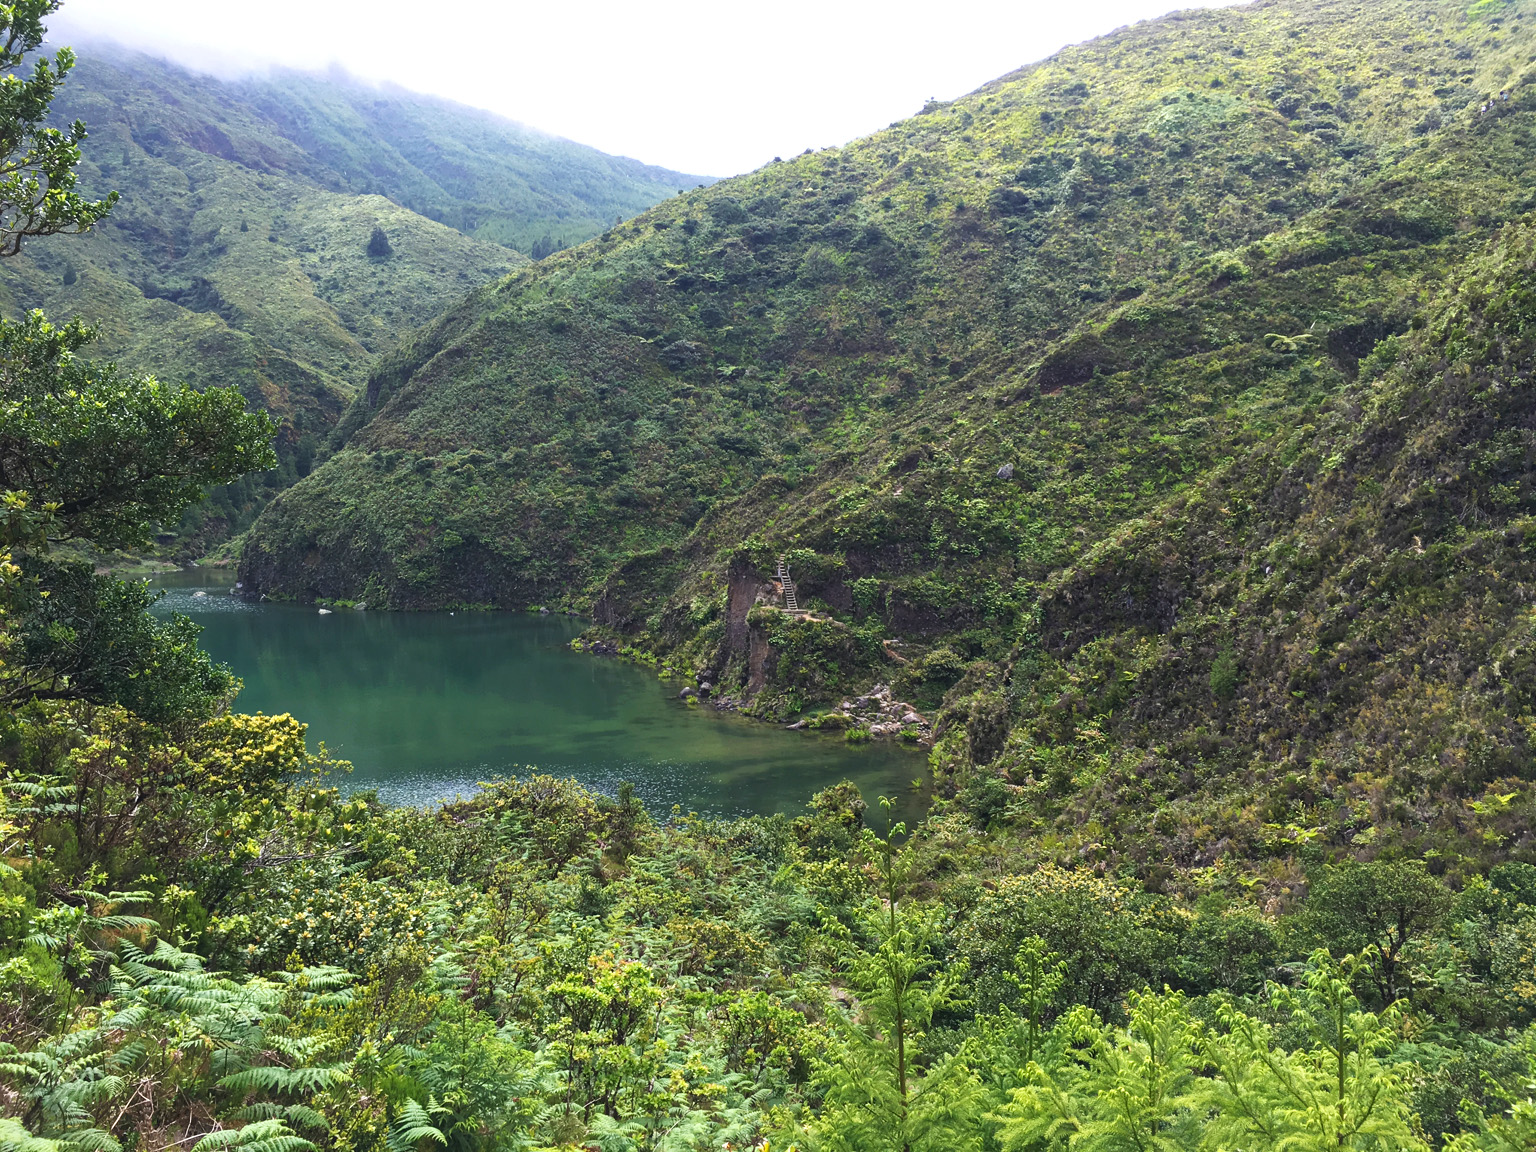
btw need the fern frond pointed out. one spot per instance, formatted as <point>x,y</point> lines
<point>91,1140</point>
<point>612,1135</point>
<point>414,1124</point>
<point>15,1138</point>
<point>262,1136</point>
<point>120,920</point>
<point>277,1079</point>
<point>298,1115</point>
<point>297,1048</point>
<point>306,1117</point>
<point>320,978</point>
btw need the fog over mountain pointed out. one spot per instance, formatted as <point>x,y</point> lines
<point>694,86</point>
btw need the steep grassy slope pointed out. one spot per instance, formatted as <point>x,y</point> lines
<point>968,374</point>
<point>1327,641</point>
<point>239,252</point>
<point>472,170</point>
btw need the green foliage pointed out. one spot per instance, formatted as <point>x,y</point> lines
<point>1096,377</point>
<point>88,637</point>
<point>875,1092</point>
<point>1337,1091</point>
<point>37,191</point>
<point>1168,1082</point>
<point>1377,909</point>
<point>1109,940</point>
<point>515,979</point>
<point>1008,384</point>
<point>258,1136</point>
<point>108,453</point>
<point>91,454</point>
<point>1224,676</point>
<point>1507,1130</point>
<point>1132,1089</point>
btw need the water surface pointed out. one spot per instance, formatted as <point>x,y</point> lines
<point>427,704</point>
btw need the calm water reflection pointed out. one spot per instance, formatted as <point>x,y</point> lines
<point>425,705</point>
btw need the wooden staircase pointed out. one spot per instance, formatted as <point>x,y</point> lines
<point>791,601</point>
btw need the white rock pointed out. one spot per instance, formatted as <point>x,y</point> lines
<point>325,611</point>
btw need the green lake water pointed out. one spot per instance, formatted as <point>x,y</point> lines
<point>427,704</point>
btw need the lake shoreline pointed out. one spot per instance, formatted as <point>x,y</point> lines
<point>428,705</point>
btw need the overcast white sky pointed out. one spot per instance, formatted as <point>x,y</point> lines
<point>703,86</point>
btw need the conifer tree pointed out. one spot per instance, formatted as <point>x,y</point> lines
<point>877,1094</point>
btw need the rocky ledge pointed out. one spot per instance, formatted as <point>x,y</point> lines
<point>879,712</point>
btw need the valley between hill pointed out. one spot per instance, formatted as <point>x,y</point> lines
<point>1149,404</point>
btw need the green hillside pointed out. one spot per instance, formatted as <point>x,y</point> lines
<point>239,254</point>
<point>1033,384</point>
<point>472,170</point>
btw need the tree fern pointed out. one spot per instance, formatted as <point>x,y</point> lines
<point>90,915</point>
<point>59,1082</point>
<point>1338,1093</point>
<point>15,1138</point>
<point>877,1095</point>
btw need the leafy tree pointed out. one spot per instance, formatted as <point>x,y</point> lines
<point>89,637</point>
<point>379,247</point>
<point>1111,939</point>
<point>37,163</point>
<point>87,452</point>
<point>1227,947</point>
<point>96,454</point>
<point>1375,910</point>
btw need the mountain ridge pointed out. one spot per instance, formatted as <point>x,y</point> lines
<point>238,257</point>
